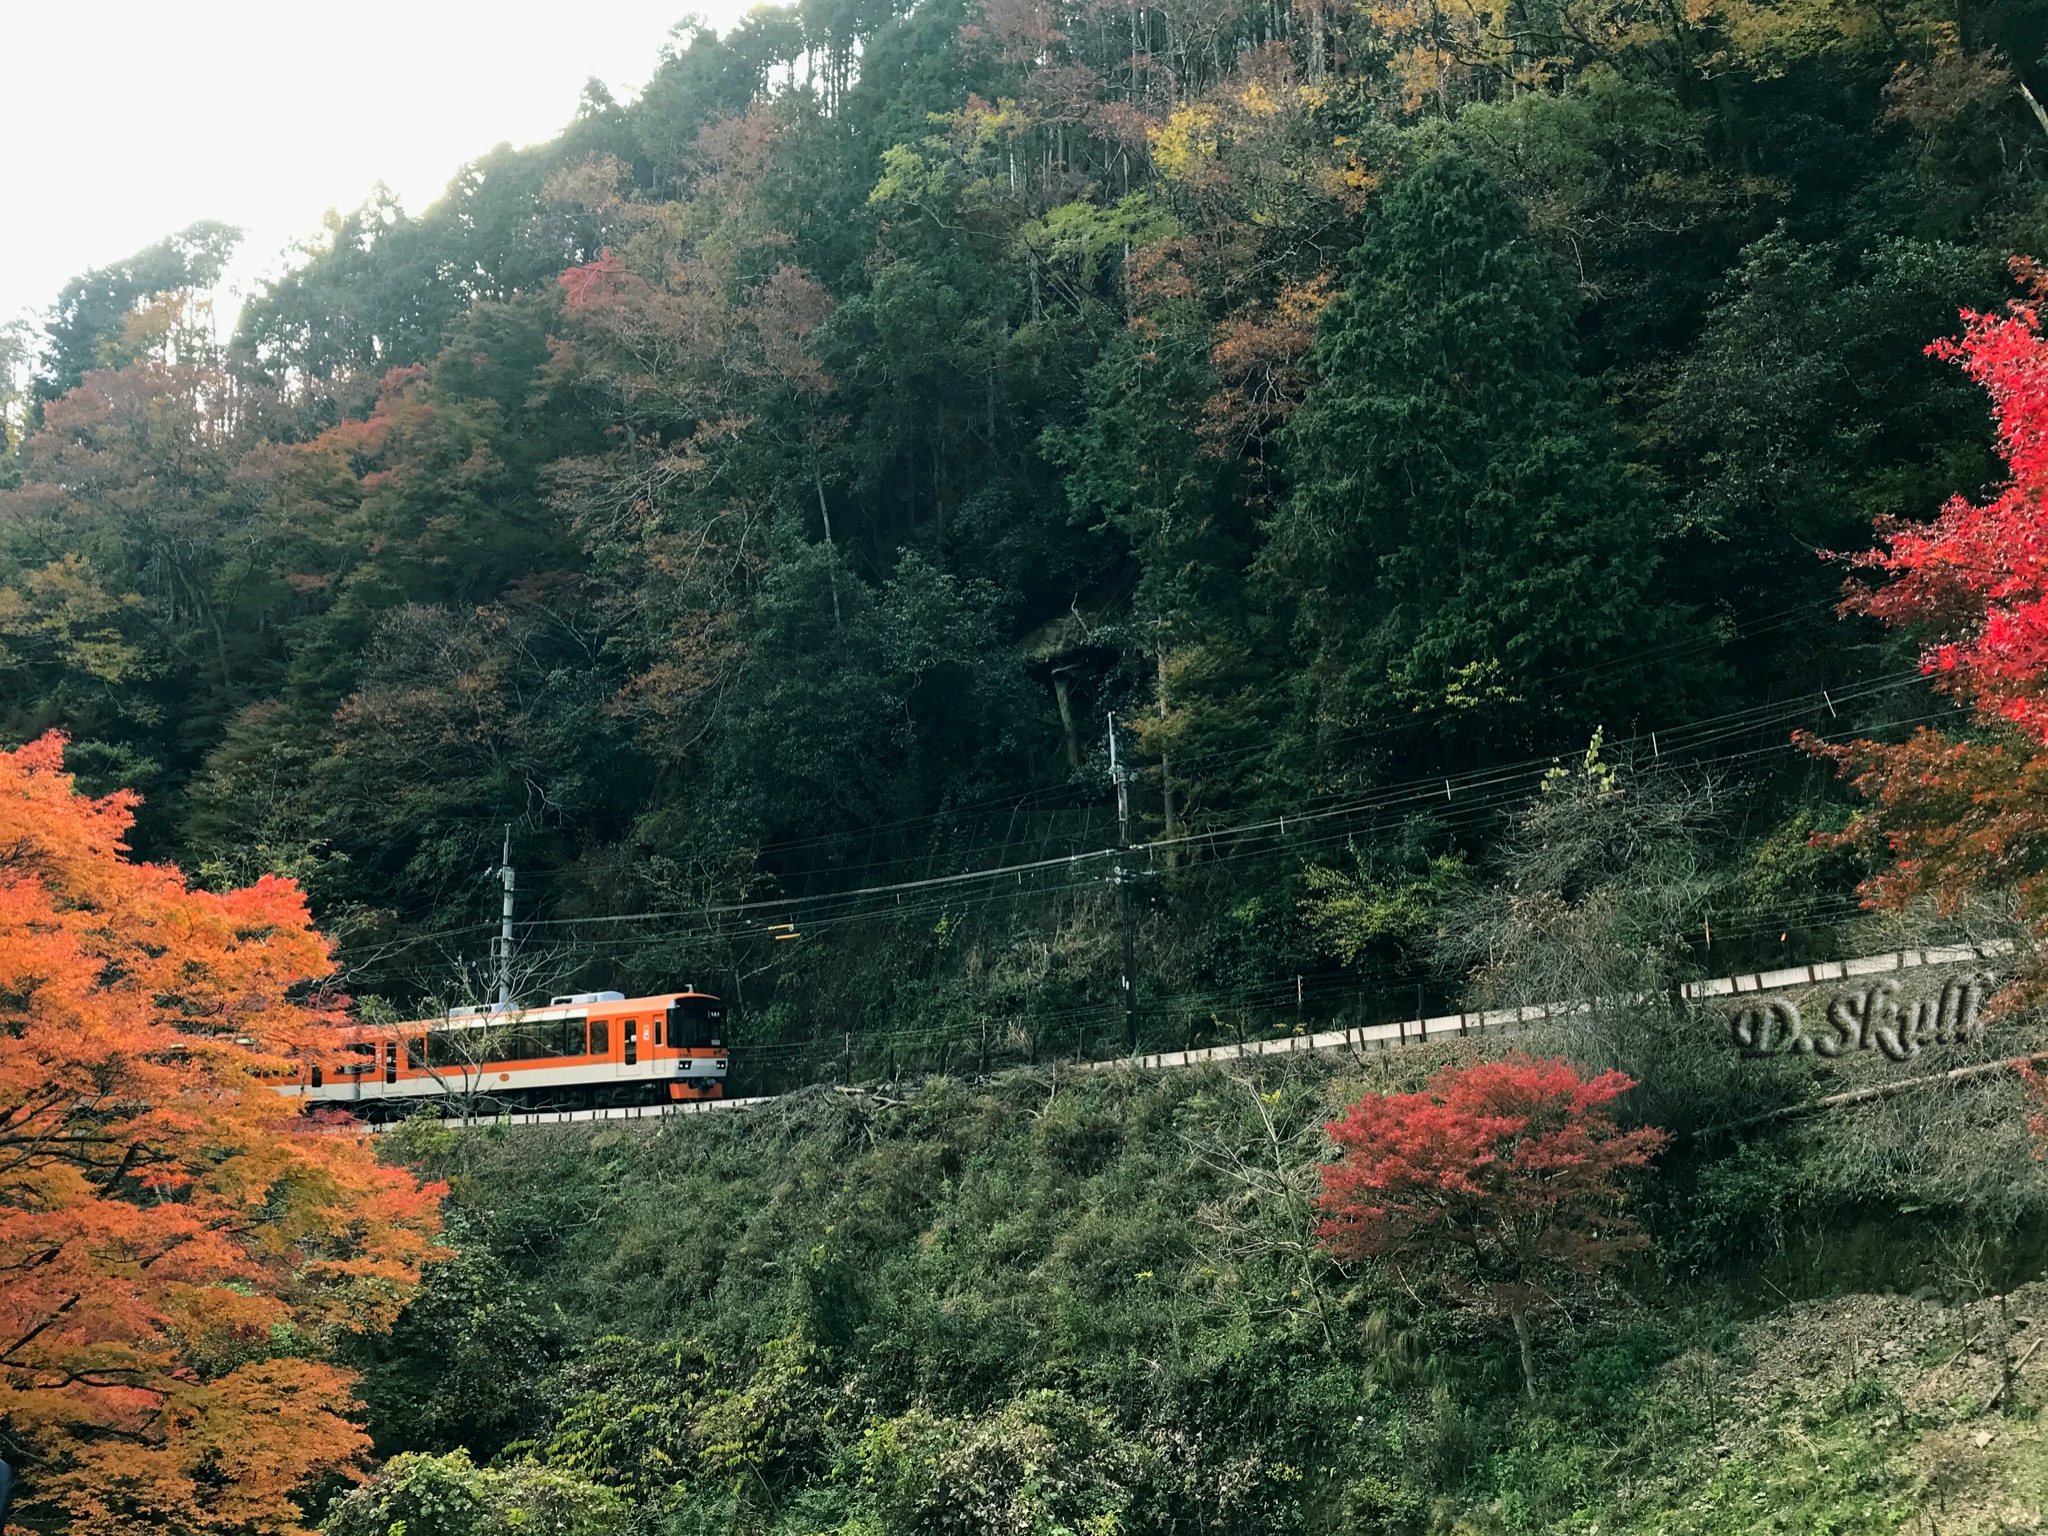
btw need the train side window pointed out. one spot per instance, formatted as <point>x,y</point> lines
<point>564,1038</point>
<point>630,1033</point>
<point>390,1061</point>
<point>458,1048</point>
<point>415,1054</point>
<point>600,1037</point>
<point>518,1040</point>
<point>656,1022</point>
<point>318,1080</point>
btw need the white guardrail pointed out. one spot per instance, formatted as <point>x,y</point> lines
<point>1397,1035</point>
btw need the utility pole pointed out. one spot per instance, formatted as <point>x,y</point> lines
<point>501,950</point>
<point>1124,876</point>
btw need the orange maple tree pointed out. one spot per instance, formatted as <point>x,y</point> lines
<point>178,1248</point>
<point>1966,816</point>
<point>1505,1179</point>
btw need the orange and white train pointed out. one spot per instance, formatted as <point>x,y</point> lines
<point>588,1050</point>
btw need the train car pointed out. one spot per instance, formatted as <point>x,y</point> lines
<point>588,1050</point>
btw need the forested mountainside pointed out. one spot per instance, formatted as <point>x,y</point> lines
<point>1438,437</point>
<point>766,490</point>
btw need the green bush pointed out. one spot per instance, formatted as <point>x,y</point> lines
<point>1041,1464</point>
<point>449,1495</point>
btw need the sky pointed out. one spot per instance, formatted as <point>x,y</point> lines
<point>129,119</point>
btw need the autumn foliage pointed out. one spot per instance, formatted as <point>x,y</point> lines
<point>1962,818</point>
<point>1506,1179</point>
<point>178,1250</point>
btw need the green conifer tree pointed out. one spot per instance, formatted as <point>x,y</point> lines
<point>1464,538</point>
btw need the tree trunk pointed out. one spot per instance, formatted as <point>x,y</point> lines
<point>1171,854</point>
<point>1523,1339</point>
<point>832,570</point>
<point>1059,693</point>
<point>2007,1375</point>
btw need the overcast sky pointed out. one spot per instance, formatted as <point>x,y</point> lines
<point>128,119</point>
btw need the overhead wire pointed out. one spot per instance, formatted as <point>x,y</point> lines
<point>1419,790</point>
<point>1471,797</point>
<point>1491,787</point>
<point>1197,762</point>
<point>1486,791</point>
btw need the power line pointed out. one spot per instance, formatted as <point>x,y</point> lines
<point>1470,797</point>
<point>1492,787</point>
<point>1193,764</point>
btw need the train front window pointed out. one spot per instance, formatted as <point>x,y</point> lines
<point>696,1022</point>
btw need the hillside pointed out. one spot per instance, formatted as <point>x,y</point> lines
<point>1089,1301</point>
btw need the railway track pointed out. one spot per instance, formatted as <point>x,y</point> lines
<point>1398,1035</point>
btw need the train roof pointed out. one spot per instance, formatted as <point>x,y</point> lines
<point>484,1015</point>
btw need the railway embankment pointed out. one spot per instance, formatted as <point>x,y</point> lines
<point>1094,1301</point>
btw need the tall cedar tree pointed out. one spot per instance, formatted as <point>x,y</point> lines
<point>1463,531</point>
<point>179,1249</point>
<point>1507,1178</point>
<point>1964,817</point>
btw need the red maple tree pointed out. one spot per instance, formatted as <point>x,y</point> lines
<point>1506,1179</point>
<point>1963,817</point>
<point>178,1249</point>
